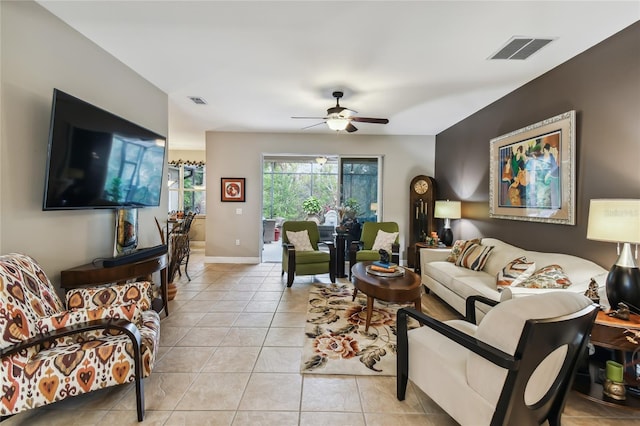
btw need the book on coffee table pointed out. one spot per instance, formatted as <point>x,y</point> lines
<point>385,265</point>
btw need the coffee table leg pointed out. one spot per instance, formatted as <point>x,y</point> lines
<point>418,304</point>
<point>369,311</point>
<point>355,293</point>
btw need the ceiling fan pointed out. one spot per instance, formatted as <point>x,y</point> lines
<point>341,118</point>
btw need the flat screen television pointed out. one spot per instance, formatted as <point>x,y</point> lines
<point>97,160</point>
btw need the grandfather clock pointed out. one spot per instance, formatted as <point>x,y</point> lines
<point>422,195</point>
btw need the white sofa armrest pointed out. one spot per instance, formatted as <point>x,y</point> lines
<point>433,255</point>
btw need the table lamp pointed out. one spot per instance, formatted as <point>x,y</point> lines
<point>618,221</point>
<point>447,210</point>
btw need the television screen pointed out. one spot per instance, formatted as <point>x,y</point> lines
<point>99,160</point>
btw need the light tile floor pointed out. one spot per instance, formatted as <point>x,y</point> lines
<point>230,355</point>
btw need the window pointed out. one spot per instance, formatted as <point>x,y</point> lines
<point>288,181</point>
<point>187,191</point>
<point>359,183</point>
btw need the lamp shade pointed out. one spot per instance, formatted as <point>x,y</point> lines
<point>613,220</point>
<point>618,220</point>
<point>447,210</point>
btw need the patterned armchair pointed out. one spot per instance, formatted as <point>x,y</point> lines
<point>366,249</point>
<point>105,336</point>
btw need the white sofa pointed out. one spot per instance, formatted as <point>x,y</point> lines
<point>454,284</point>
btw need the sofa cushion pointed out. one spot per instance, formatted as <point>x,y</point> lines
<point>300,240</point>
<point>384,241</point>
<point>579,270</point>
<point>458,249</point>
<point>313,256</point>
<point>550,276</point>
<point>461,281</point>
<point>515,272</point>
<point>140,293</point>
<point>479,283</point>
<point>502,254</point>
<point>444,272</point>
<point>474,256</point>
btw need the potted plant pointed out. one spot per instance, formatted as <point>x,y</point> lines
<point>351,208</point>
<point>311,206</point>
<point>348,212</point>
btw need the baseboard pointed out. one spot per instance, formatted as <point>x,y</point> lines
<point>218,259</point>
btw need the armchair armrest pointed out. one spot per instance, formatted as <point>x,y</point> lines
<point>395,253</point>
<point>355,246</point>
<point>129,312</point>
<point>486,351</point>
<point>290,254</point>
<point>329,244</point>
<point>122,325</point>
<point>470,309</point>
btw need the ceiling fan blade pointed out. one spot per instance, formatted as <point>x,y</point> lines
<point>370,120</point>
<point>313,125</point>
<point>312,118</point>
<point>351,128</point>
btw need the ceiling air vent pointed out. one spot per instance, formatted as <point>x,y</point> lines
<point>521,48</point>
<point>198,100</point>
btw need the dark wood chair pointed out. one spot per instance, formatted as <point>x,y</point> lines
<point>180,244</point>
<point>515,368</point>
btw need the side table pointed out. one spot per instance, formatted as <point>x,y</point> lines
<point>95,274</point>
<point>418,247</point>
<point>608,332</point>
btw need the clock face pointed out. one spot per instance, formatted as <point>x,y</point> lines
<point>421,186</point>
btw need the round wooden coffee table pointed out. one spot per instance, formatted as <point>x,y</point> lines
<point>406,288</point>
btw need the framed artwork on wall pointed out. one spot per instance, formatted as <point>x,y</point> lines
<point>532,172</point>
<point>232,189</point>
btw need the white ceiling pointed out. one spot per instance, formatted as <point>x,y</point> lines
<point>421,64</point>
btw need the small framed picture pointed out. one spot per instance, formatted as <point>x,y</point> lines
<point>232,189</point>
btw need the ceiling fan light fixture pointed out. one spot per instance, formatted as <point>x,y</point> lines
<point>337,123</point>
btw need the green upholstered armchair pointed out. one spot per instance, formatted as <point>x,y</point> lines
<point>362,251</point>
<point>297,262</point>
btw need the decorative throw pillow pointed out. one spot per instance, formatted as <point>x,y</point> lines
<point>300,240</point>
<point>458,248</point>
<point>515,272</point>
<point>551,276</point>
<point>384,240</point>
<point>474,256</point>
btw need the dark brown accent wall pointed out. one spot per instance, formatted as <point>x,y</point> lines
<point>603,86</point>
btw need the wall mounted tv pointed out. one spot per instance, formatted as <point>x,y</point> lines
<point>98,160</point>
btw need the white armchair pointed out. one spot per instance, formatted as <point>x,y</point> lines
<point>514,368</point>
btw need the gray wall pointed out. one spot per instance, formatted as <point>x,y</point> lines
<point>240,155</point>
<point>40,52</point>
<point>603,86</point>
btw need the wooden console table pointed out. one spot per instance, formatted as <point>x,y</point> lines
<point>95,274</point>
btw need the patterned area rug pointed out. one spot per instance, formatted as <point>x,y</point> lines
<point>336,342</point>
